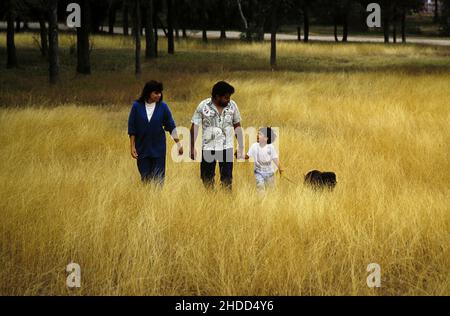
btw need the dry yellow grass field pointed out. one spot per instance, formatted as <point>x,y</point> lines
<point>377,116</point>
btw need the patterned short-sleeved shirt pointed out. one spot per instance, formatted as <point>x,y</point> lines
<point>218,129</point>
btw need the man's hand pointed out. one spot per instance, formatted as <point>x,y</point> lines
<point>134,153</point>
<point>193,153</point>
<point>281,171</point>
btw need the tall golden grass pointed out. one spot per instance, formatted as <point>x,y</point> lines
<point>69,190</point>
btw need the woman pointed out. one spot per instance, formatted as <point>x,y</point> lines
<point>149,118</point>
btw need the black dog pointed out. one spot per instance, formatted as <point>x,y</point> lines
<point>320,180</point>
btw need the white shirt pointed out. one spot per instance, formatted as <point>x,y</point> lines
<point>218,129</point>
<point>150,109</point>
<point>263,157</point>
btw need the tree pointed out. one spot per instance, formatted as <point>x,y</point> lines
<point>386,12</point>
<point>155,31</point>
<point>83,48</point>
<point>184,15</point>
<point>11,54</point>
<point>112,9</point>
<point>436,11</point>
<point>44,35</point>
<point>244,20</point>
<point>341,13</point>
<point>38,10</point>
<point>98,13</point>
<point>137,36</point>
<point>204,20</point>
<point>305,8</point>
<point>53,42</point>
<point>170,39</point>
<point>125,15</point>
<point>445,17</point>
<point>273,33</point>
<point>401,9</point>
<point>223,5</point>
<point>150,51</point>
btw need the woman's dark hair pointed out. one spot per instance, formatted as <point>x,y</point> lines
<point>222,88</point>
<point>269,133</point>
<point>151,86</point>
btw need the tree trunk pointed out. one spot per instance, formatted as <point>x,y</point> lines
<point>150,51</point>
<point>83,49</point>
<point>273,34</point>
<point>204,22</point>
<point>436,11</point>
<point>345,25</point>
<point>244,20</point>
<point>394,32</point>
<point>403,26</point>
<point>394,23</point>
<point>18,25</point>
<point>305,22</point>
<point>184,33</point>
<point>10,38</point>
<point>53,42</point>
<point>176,19</point>
<point>170,39</point>
<point>44,36</point>
<point>223,20</point>
<point>336,39</point>
<point>111,18</point>
<point>137,37</point>
<point>386,20</point>
<point>299,33</point>
<point>126,24</point>
<point>155,25</point>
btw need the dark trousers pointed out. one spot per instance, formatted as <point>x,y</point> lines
<point>208,167</point>
<point>152,169</point>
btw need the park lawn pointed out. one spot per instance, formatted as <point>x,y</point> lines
<point>376,115</point>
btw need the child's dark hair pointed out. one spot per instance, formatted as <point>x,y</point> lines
<point>269,133</point>
<point>151,86</point>
<point>222,88</point>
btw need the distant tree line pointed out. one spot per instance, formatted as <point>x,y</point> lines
<point>142,18</point>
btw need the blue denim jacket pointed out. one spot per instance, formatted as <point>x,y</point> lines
<point>150,136</point>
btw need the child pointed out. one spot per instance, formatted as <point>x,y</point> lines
<point>263,153</point>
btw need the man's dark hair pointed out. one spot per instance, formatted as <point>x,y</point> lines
<point>269,133</point>
<point>151,86</point>
<point>222,88</point>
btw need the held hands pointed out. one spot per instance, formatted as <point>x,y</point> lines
<point>239,154</point>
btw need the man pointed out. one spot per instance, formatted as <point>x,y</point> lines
<point>220,118</point>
